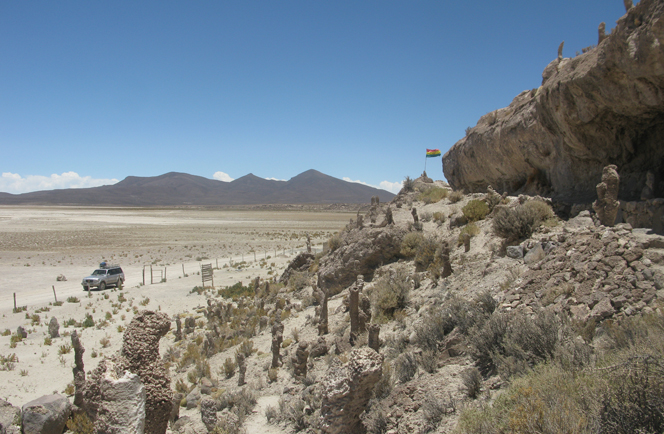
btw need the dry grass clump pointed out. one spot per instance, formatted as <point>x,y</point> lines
<point>410,244</point>
<point>518,223</point>
<point>433,195</point>
<point>475,210</point>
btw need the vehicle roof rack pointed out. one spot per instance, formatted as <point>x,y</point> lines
<point>107,265</point>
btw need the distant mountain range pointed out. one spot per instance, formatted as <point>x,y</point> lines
<point>182,189</point>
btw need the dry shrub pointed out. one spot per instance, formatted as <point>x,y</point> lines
<point>405,367</point>
<point>390,294</point>
<point>375,419</point>
<point>438,217</point>
<point>384,386</point>
<point>298,280</point>
<point>425,254</point>
<point>334,242</point>
<point>408,184</point>
<point>475,210</point>
<point>410,244</point>
<point>470,229</point>
<point>472,382</point>
<point>519,222</point>
<point>229,367</point>
<point>455,196</point>
<point>433,195</point>
<point>512,343</point>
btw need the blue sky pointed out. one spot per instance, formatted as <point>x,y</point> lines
<point>92,92</point>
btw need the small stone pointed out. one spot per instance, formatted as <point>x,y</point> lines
<point>514,252</point>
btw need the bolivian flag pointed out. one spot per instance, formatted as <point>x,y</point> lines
<point>433,153</point>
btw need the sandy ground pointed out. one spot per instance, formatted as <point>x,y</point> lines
<point>39,243</point>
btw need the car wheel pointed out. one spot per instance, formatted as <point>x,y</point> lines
<point>119,284</point>
<point>102,286</point>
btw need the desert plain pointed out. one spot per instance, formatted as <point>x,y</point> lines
<point>38,244</point>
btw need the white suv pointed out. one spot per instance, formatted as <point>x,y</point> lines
<point>104,276</point>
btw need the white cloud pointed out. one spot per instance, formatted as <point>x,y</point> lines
<point>347,179</point>
<point>392,187</point>
<point>15,183</point>
<point>221,176</point>
<point>275,179</point>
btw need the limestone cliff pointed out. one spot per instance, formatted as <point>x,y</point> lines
<point>603,107</point>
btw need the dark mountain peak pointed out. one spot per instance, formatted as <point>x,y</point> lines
<point>176,188</point>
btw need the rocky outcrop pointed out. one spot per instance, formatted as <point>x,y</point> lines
<point>300,263</point>
<point>361,252</point>
<point>594,273</point>
<point>10,418</point>
<point>53,328</point>
<point>46,415</point>
<point>602,107</point>
<point>347,390</point>
<point>139,356</point>
<point>606,206</point>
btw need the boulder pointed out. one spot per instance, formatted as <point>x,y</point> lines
<point>362,251</point>
<point>300,263</point>
<point>10,418</point>
<point>46,415</point>
<point>535,254</point>
<point>514,252</point>
<point>53,328</point>
<point>347,390</point>
<point>124,403</point>
<point>601,107</point>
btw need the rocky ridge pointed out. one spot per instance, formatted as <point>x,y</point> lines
<point>602,107</point>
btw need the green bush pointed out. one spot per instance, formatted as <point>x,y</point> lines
<point>237,291</point>
<point>410,244</point>
<point>433,195</point>
<point>475,210</point>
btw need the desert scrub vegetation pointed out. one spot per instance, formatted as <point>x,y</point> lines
<point>410,244</point>
<point>408,184</point>
<point>425,254</point>
<point>471,229</point>
<point>334,242</point>
<point>475,210</point>
<point>389,295</point>
<point>519,222</point>
<point>433,195</point>
<point>455,196</point>
<point>236,291</point>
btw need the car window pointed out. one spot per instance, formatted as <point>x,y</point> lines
<point>99,273</point>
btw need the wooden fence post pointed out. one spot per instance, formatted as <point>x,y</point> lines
<point>54,294</point>
<point>151,276</point>
<point>143,275</point>
<point>183,273</point>
<point>14,302</point>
